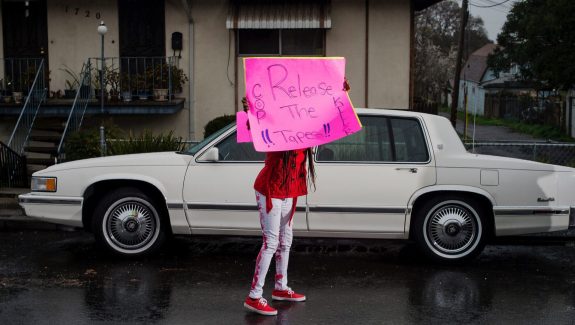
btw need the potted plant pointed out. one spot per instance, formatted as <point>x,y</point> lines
<point>72,83</point>
<point>127,83</point>
<point>112,79</point>
<point>142,90</point>
<point>8,88</point>
<point>96,84</point>
<point>179,79</point>
<point>158,75</point>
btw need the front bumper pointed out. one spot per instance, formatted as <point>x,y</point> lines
<point>62,210</point>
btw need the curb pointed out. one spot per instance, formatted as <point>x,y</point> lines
<point>22,222</point>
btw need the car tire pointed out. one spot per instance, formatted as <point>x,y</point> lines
<point>451,228</point>
<point>128,222</point>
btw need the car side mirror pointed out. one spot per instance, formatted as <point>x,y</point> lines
<point>213,154</point>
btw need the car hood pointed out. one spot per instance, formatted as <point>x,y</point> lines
<point>471,160</point>
<point>141,159</point>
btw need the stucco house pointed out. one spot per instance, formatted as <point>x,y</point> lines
<point>207,40</point>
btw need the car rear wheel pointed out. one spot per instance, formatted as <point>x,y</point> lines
<point>127,222</point>
<point>450,228</point>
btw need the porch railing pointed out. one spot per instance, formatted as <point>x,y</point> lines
<point>36,94</point>
<point>76,116</point>
<point>132,78</point>
<point>17,74</point>
<point>13,171</point>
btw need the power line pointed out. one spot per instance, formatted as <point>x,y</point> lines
<point>490,6</point>
<point>491,2</point>
<point>503,11</point>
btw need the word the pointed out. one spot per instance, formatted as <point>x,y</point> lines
<point>300,112</point>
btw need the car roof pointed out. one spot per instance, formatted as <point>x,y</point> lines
<point>387,111</point>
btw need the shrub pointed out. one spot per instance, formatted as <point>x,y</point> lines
<point>219,122</point>
<point>145,142</point>
<point>86,143</point>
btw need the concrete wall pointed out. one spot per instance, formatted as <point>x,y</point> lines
<point>214,93</point>
<point>347,38</point>
<point>72,39</point>
<point>389,54</point>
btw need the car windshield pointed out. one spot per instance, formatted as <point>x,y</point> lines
<point>194,149</point>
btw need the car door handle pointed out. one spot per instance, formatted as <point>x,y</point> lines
<point>411,170</point>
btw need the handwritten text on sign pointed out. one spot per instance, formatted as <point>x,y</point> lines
<point>297,103</point>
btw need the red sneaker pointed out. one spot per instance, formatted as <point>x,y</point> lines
<point>287,295</point>
<point>260,306</point>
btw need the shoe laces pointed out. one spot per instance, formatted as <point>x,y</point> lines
<point>263,302</point>
<point>290,291</point>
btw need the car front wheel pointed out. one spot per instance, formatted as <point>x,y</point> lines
<point>450,228</point>
<point>127,222</point>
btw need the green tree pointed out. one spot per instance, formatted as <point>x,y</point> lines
<point>539,37</point>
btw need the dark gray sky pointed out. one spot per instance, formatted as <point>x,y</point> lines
<point>493,17</point>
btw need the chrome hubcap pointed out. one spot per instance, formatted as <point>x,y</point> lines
<point>452,229</point>
<point>131,225</point>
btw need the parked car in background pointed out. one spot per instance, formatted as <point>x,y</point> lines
<point>405,175</point>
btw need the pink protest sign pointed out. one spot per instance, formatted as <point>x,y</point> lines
<point>297,102</point>
<point>243,134</point>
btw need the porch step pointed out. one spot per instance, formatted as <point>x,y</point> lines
<point>50,127</point>
<point>12,191</point>
<point>46,138</point>
<point>48,150</point>
<point>40,161</point>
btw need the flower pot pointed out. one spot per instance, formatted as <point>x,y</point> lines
<point>143,94</point>
<point>69,93</point>
<point>17,95</point>
<point>160,95</point>
<point>7,99</point>
<point>127,96</point>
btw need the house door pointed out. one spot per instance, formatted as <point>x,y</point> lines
<point>25,35</point>
<point>142,42</point>
<point>142,28</point>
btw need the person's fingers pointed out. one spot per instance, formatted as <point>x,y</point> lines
<point>346,85</point>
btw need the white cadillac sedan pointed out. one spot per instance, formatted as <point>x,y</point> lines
<point>405,175</point>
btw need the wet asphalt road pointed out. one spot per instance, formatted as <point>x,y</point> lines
<point>54,277</point>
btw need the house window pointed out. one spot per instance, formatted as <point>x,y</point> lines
<point>281,42</point>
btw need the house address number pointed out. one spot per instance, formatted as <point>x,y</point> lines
<point>82,12</point>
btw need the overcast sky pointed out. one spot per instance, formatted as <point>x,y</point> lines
<point>493,17</point>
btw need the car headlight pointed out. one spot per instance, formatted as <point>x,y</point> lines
<point>44,184</point>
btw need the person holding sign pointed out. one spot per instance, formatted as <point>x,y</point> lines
<point>294,105</point>
<point>278,185</point>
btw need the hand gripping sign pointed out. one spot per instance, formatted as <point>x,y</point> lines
<point>295,103</point>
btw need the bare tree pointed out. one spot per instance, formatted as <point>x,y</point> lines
<point>436,34</point>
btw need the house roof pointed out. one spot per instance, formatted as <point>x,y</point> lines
<point>476,64</point>
<point>422,4</point>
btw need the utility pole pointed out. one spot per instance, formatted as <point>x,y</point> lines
<point>455,95</point>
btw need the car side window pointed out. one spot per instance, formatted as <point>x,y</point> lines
<point>370,144</point>
<point>230,150</point>
<point>382,139</point>
<point>408,140</point>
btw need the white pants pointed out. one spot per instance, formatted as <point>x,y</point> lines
<point>277,237</point>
